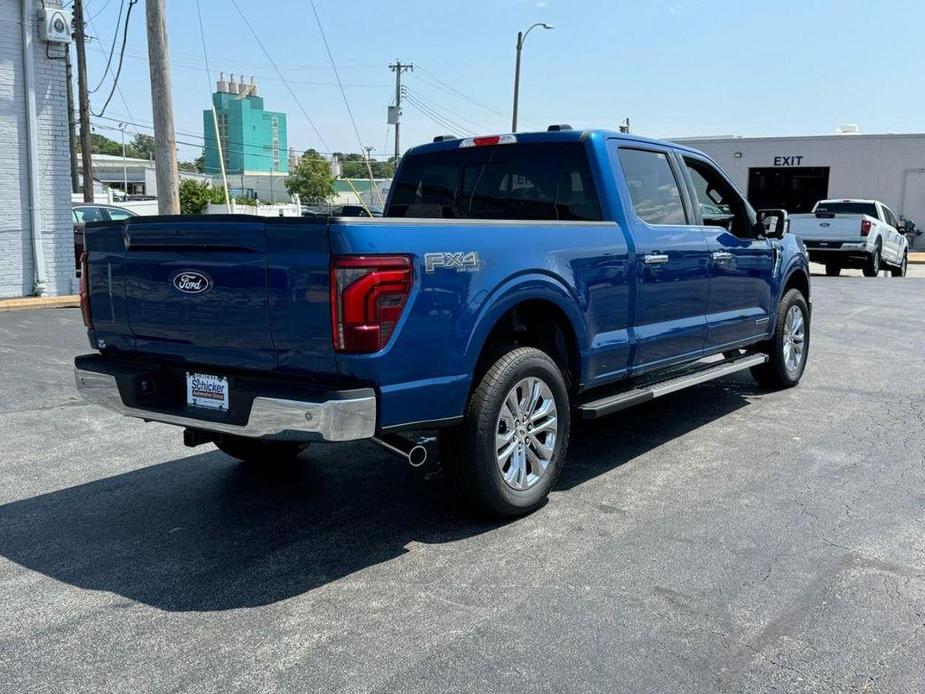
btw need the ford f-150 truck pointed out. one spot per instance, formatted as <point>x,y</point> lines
<point>514,282</point>
<point>861,234</point>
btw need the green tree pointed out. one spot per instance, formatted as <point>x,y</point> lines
<point>100,144</point>
<point>311,180</point>
<point>354,166</point>
<point>142,147</point>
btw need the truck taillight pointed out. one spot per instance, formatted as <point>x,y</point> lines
<point>368,295</point>
<point>865,227</point>
<point>83,291</point>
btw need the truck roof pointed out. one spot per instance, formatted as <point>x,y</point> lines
<point>555,136</point>
<point>863,200</point>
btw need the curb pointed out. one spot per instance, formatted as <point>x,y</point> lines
<point>917,258</point>
<point>33,302</point>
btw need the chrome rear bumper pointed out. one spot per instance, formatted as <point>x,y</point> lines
<point>347,419</point>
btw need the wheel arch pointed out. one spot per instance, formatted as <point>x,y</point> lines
<point>537,312</point>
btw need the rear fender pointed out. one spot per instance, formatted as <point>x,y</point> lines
<point>527,287</point>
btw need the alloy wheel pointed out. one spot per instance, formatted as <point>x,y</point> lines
<point>525,434</point>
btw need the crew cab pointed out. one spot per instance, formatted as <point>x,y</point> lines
<point>861,234</point>
<point>514,282</point>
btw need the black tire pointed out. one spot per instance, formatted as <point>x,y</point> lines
<point>469,454</point>
<point>774,373</point>
<point>903,266</point>
<point>832,269</point>
<point>259,451</point>
<point>873,263</point>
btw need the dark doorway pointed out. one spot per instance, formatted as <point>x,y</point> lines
<point>794,189</point>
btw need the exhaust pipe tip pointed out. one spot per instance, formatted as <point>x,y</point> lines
<point>417,456</point>
<point>414,453</point>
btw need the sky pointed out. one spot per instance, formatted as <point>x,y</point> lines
<point>675,68</point>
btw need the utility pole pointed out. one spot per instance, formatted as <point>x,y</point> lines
<point>397,67</point>
<point>124,167</point>
<point>165,139</point>
<point>83,97</point>
<point>71,136</point>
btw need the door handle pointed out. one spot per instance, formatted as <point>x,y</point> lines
<point>721,256</point>
<point>655,259</point>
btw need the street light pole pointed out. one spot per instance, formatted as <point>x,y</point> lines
<point>521,37</point>
<point>124,168</point>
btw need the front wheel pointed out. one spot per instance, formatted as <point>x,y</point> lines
<point>505,457</point>
<point>903,266</point>
<point>788,348</point>
<point>872,266</point>
<point>257,450</point>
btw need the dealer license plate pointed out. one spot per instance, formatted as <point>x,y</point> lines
<point>208,392</point>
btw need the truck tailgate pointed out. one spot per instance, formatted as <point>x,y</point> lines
<point>229,291</point>
<point>809,227</point>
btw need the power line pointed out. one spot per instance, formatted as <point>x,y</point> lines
<point>218,137</point>
<point>280,74</point>
<point>343,93</point>
<point>455,116</point>
<point>100,11</point>
<point>201,145</point>
<point>112,48</point>
<point>437,117</point>
<point>434,81</point>
<point>118,88</point>
<point>115,80</point>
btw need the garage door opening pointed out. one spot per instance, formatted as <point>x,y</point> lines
<point>794,189</point>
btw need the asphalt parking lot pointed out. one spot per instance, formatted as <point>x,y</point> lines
<point>721,539</point>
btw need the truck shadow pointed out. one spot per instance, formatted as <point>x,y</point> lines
<point>206,533</point>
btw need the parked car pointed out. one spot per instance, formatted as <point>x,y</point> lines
<point>514,282</point>
<point>91,212</point>
<point>862,234</point>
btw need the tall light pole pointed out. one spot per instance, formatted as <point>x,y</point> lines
<point>124,168</point>
<point>521,37</point>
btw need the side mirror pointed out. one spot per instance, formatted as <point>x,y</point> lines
<point>773,223</point>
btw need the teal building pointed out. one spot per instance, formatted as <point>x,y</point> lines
<point>253,140</point>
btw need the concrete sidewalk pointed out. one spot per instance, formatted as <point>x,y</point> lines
<point>29,302</point>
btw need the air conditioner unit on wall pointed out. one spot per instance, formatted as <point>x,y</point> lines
<point>55,25</point>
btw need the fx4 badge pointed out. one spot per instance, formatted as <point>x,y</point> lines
<point>467,261</point>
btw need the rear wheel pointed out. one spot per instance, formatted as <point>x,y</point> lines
<point>832,269</point>
<point>258,450</point>
<point>903,266</point>
<point>872,266</point>
<point>788,348</point>
<point>508,452</point>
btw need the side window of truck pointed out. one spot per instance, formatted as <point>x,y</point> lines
<point>653,188</point>
<point>720,205</point>
<point>890,218</point>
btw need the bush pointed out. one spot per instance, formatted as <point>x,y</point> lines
<point>194,196</point>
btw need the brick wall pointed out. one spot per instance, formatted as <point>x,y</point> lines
<point>54,186</point>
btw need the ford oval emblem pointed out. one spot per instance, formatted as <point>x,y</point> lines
<point>192,282</point>
<point>825,224</point>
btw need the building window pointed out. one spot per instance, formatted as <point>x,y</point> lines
<point>275,144</point>
<point>223,132</point>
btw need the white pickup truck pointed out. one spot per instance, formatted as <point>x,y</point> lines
<point>861,234</point>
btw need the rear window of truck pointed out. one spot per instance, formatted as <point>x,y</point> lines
<point>868,208</point>
<point>550,181</point>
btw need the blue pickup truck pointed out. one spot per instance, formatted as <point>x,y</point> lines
<point>513,283</point>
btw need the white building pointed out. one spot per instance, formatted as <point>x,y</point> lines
<point>36,231</point>
<point>112,171</point>
<point>796,172</point>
